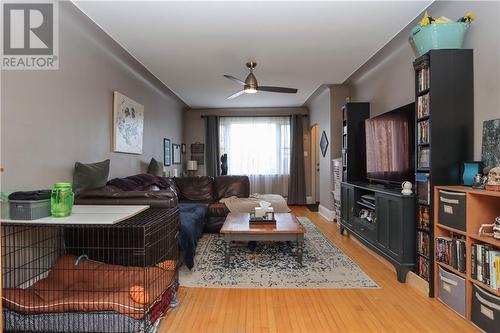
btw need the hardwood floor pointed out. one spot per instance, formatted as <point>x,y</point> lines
<point>394,307</point>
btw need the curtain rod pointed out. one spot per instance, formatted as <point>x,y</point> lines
<point>259,116</point>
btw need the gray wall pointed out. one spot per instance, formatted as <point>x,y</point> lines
<point>194,128</point>
<point>320,113</point>
<point>386,81</point>
<point>50,119</point>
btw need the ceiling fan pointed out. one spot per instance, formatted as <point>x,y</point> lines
<point>250,85</point>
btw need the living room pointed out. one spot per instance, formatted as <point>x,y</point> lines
<point>250,166</point>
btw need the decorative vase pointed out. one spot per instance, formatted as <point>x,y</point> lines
<point>61,200</point>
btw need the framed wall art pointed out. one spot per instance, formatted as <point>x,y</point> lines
<point>198,153</point>
<point>128,125</point>
<point>166,152</point>
<point>176,153</point>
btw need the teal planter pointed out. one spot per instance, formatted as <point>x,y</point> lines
<point>438,36</point>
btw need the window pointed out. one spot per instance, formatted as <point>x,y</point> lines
<point>260,148</point>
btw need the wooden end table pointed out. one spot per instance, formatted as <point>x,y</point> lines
<point>237,228</point>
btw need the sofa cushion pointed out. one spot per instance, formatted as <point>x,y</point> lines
<point>90,176</point>
<point>196,189</point>
<point>217,209</point>
<point>155,168</point>
<point>229,186</point>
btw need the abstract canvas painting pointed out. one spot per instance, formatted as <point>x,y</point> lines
<point>128,125</point>
<point>490,152</point>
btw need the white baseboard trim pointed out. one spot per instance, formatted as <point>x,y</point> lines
<point>309,200</point>
<point>326,213</point>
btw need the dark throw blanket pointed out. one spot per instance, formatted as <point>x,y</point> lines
<point>141,182</point>
<point>193,218</point>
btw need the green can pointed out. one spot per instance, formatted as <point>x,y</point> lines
<point>61,200</point>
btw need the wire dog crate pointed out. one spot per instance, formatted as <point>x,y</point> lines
<point>90,278</point>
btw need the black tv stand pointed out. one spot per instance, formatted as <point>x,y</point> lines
<point>391,233</point>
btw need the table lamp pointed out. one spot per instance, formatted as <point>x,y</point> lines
<point>191,167</point>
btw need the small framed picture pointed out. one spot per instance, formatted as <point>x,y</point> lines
<point>176,153</point>
<point>166,152</point>
<point>183,148</point>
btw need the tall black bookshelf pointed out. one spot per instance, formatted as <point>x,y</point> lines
<point>444,90</point>
<point>354,115</point>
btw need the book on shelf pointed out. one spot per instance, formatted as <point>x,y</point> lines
<point>423,218</point>
<point>423,187</point>
<point>451,251</point>
<point>424,157</point>
<point>423,79</point>
<point>485,265</point>
<point>423,268</point>
<point>423,106</point>
<point>423,243</point>
<point>423,132</point>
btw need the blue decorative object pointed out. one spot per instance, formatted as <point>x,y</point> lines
<point>468,170</point>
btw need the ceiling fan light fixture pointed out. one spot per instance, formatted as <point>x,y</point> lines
<point>250,90</point>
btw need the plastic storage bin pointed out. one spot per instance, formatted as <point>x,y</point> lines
<point>439,36</point>
<point>29,209</point>
<point>485,310</point>
<point>451,211</point>
<point>452,291</point>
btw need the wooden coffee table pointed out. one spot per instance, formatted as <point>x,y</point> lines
<point>237,228</point>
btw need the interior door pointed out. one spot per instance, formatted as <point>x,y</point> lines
<point>314,131</point>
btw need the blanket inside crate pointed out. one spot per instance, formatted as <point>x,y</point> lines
<point>92,286</point>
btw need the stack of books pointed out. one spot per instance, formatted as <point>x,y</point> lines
<point>423,106</point>
<point>423,268</point>
<point>485,265</point>
<point>423,79</point>
<point>423,220</point>
<point>423,243</point>
<point>423,132</point>
<point>451,251</point>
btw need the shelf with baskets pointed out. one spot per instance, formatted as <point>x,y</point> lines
<point>443,91</point>
<point>473,289</point>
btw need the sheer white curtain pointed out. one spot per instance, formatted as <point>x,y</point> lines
<point>258,147</point>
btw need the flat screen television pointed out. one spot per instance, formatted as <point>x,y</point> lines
<point>390,145</point>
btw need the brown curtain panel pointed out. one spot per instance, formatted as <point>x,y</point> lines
<point>297,186</point>
<point>212,146</point>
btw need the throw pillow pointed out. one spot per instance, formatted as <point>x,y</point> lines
<point>90,176</point>
<point>155,168</point>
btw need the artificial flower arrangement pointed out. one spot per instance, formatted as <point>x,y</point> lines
<point>427,19</point>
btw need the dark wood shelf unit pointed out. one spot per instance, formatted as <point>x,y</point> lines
<point>353,140</point>
<point>392,233</point>
<point>450,123</point>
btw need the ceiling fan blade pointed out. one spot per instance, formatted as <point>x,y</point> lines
<point>236,94</point>
<point>232,78</point>
<point>277,89</point>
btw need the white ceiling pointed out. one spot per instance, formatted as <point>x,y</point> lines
<point>189,46</point>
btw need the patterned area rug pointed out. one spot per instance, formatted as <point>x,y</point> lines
<point>274,265</point>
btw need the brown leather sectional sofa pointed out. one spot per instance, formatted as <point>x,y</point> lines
<point>209,190</point>
<point>204,190</point>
